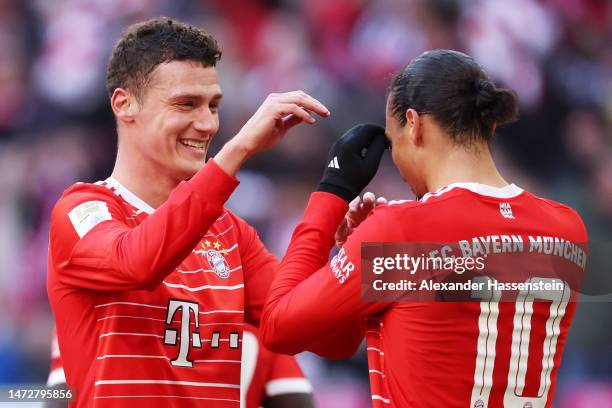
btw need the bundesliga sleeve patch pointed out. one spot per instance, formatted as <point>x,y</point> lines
<point>87,215</point>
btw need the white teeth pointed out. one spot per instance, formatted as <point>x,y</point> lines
<point>193,143</point>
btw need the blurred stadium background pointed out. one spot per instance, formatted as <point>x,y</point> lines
<point>56,128</point>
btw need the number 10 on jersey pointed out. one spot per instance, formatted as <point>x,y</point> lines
<point>519,353</point>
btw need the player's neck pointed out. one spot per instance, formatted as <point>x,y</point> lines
<point>461,165</point>
<point>143,180</point>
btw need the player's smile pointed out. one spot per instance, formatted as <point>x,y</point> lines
<point>195,148</point>
<point>196,144</point>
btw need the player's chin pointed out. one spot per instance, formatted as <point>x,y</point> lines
<point>188,168</point>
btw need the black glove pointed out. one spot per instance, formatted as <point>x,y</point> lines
<point>353,160</point>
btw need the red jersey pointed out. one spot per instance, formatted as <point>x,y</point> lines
<point>263,373</point>
<point>468,354</point>
<point>267,374</point>
<point>150,304</point>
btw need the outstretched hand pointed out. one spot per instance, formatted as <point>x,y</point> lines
<point>276,115</point>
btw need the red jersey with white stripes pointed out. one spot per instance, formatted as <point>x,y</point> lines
<point>150,305</point>
<point>427,354</point>
<point>263,374</point>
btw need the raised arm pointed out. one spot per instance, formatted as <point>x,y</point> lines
<point>313,305</point>
<point>100,252</point>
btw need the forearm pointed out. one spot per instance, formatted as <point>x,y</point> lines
<point>289,310</point>
<point>231,157</point>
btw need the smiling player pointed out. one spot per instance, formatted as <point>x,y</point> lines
<point>150,278</point>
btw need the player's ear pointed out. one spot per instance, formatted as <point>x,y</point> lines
<point>413,127</point>
<point>124,105</point>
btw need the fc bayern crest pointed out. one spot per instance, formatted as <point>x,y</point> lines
<point>216,259</point>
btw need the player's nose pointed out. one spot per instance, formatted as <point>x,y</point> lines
<point>206,123</point>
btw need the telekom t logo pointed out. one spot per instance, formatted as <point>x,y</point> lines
<point>186,335</point>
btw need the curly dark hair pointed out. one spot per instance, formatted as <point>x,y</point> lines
<point>145,45</point>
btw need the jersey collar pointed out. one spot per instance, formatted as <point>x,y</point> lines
<point>130,197</point>
<point>509,191</point>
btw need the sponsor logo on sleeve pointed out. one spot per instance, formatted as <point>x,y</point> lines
<point>87,215</point>
<point>341,266</point>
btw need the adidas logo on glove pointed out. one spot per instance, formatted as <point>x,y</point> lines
<point>334,163</point>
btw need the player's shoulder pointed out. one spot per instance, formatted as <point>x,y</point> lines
<point>228,217</point>
<point>547,202</point>
<point>81,193</point>
<point>385,220</point>
<point>407,208</point>
<point>429,202</point>
<point>562,213</point>
<point>231,217</point>
<point>384,213</point>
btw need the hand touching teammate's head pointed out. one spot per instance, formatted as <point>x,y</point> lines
<point>443,101</point>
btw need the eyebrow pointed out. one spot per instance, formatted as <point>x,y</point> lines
<point>215,97</point>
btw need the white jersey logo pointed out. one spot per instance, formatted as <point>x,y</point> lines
<point>334,163</point>
<point>171,335</point>
<point>505,210</point>
<point>87,215</point>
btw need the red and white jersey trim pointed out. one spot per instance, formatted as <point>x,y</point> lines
<point>509,191</point>
<point>128,196</point>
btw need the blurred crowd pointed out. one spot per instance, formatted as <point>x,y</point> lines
<point>56,128</point>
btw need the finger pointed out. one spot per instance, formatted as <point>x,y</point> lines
<point>289,109</point>
<point>305,101</point>
<point>366,208</point>
<point>368,198</point>
<point>290,121</point>
<point>381,200</point>
<point>356,217</point>
<point>308,99</point>
<point>342,232</point>
<point>354,205</point>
